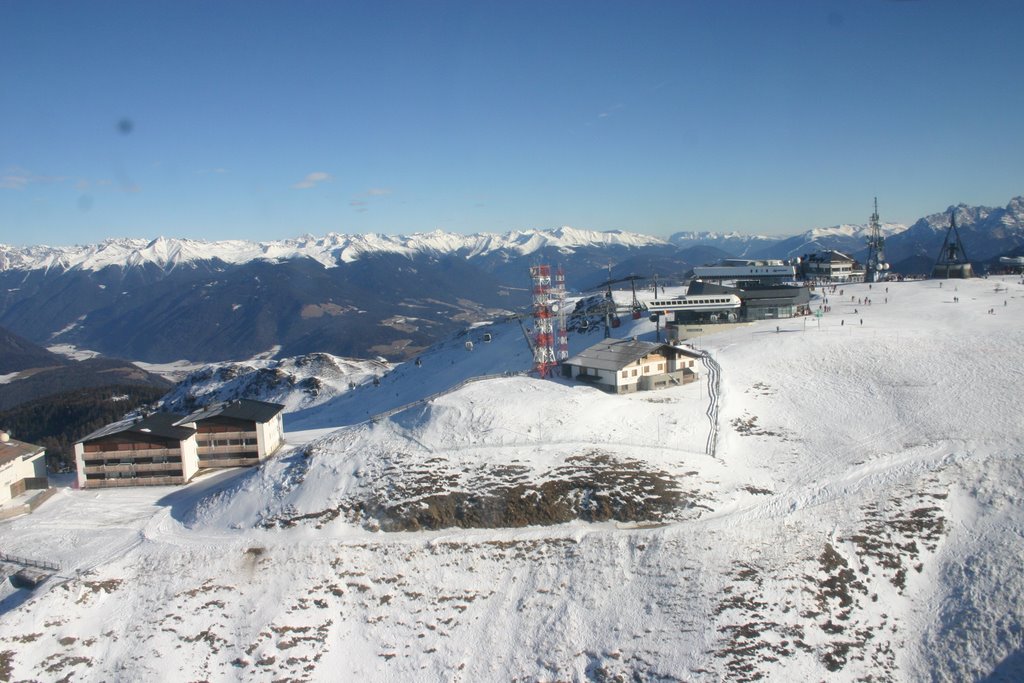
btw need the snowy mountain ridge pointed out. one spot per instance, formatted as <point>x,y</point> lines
<point>333,248</point>
<point>329,250</point>
<point>854,230</point>
<point>296,383</point>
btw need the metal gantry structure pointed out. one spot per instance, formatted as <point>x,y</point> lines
<point>952,261</point>
<point>875,267</point>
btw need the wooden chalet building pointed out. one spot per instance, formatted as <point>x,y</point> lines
<point>22,467</point>
<point>152,451</point>
<point>237,433</point>
<point>624,365</point>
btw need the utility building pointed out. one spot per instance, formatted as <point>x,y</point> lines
<point>623,365</point>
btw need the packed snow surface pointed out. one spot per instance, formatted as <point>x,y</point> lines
<point>861,519</point>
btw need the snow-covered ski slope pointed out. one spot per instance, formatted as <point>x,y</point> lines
<point>862,519</point>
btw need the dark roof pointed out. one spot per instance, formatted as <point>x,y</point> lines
<point>13,449</point>
<point>158,424</point>
<point>761,295</point>
<point>615,354</point>
<point>827,256</point>
<point>239,409</point>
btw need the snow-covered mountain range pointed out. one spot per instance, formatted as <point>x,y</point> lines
<point>860,519</point>
<point>334,248</point>
<point>330,250</point>
<point>379,295</point>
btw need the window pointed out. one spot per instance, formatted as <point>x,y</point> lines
<point>625,373</point>
<point>634,372</point>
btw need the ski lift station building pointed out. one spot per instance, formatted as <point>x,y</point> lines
<point>623,366</point>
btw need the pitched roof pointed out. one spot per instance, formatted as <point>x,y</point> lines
<point>615,354</point>
<point>829,255</point>
<point>158,424</point>
<point>239,409</point>
<point>13,449</point>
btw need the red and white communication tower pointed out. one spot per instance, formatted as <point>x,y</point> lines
<point>546,310</point>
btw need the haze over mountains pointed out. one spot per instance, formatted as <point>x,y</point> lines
<point>378,295</point>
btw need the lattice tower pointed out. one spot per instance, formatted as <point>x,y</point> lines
<point>543,323</point>
<point>562,341</point>
<point>876,267</point>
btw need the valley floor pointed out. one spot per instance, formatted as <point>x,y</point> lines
<point>861,519</point>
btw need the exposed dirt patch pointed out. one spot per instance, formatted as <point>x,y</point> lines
<point>830,612</point>
<point>749,636</point>
<point>893,537</point>
<point>748,426</point>
<point>592,486</point>
<point>761,389</point>
<point>6,662</point>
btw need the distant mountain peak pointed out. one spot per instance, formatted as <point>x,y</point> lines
<point>167,253</point>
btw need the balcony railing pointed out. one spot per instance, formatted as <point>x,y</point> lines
<point>205,450</point>
<point>228,462</point>
<point>133,481</point>
<point>134,453</point>
<point>132,467</point>
<point>220,436</point>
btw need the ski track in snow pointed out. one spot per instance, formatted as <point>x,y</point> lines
<point>864,519</point>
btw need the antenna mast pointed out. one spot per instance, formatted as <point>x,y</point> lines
<point>562,340</point>
<point>876,265</point>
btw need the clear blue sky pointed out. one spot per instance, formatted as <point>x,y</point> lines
<point>266,120</point>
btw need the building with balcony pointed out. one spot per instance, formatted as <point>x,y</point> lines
<point>152,451</point>
<point>237,433</point>
<point>22,467</point>
<point>626,365</point>
<point>830,266</point>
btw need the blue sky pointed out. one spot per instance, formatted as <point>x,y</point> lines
<point>266,120</point>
